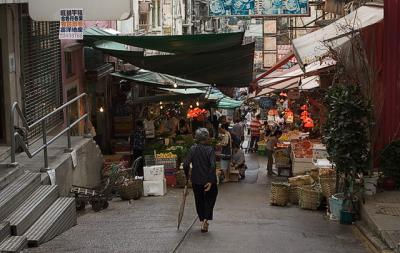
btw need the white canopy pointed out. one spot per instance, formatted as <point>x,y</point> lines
<point>313,46</point>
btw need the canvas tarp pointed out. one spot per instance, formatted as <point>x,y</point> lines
<point>228,67</point>
<point>160,80</point>
<point>178,44</point>
<point>314,46</point>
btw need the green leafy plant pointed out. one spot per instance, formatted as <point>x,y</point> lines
<point>346,133</point>
<point>390,161</point>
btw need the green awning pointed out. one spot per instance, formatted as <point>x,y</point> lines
<point>155,79</point>
<point>178,44</point>
<point>164,98</point>
<point>228,67</point>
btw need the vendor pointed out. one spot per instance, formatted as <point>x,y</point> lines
<point>137,141</point>
<point>271,143</point>
<point>183,128</point>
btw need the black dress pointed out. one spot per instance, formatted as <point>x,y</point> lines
<point>202,158</point>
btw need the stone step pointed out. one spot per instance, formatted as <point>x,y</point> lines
<point>13,244</point>
<point>32,208</point>
<point>8,174</point>
<point>4,230</point>
<point>59,217</point>
<point>16,192</point>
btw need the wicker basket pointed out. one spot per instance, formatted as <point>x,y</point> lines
<point>294,195</point>
<point>279,194</point>
<point>328,186</point>
<point>132,189</point>
<point>309,198</point>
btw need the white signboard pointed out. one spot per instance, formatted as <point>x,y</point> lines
<point>49,10</point>
<point>71,24</point>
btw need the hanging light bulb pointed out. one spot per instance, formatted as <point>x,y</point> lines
<point>101,109</point>
<point>191,106</point>
<point>197,103</point>
<point>175,85</point>
<point>160,102</point>
<point>161,107</point>
<point>181,103</point>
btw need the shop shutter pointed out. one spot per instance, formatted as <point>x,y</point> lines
<point>41,71</point>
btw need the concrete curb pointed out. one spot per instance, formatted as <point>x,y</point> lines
<point>372,242</point>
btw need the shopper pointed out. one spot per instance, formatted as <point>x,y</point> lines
<point>237,131</point>
<point>238,160</point>
<point>226,152</point>
<point>137,141</point>
<point>271,142</point>
<point>255,129</point>
<point>183,128</point>
<point>203,176</point>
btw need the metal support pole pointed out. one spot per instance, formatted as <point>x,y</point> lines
<point>12,132</point>
<point>69,128</point>
<point>86,131</point>
<point>44,133</point>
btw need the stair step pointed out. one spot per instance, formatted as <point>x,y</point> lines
<point>8,174</point>
<point>32,208</point>
<point>4,230</point>
<point>60,216</point>
<point>13,244</point>
<point>16,192</point>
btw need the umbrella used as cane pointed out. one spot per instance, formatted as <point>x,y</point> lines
<point>182,207</point>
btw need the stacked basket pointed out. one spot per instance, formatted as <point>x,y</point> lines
<point>327,180</point>
<point>279,194</point>
<point>310,197</point>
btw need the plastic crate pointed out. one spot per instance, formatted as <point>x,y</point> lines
<point>171,180</point>
<point>149,160</point>
<point>169,163</point>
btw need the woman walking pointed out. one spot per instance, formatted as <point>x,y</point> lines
<point>203,176</point>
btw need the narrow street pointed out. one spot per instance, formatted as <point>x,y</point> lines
<point>244,222</point>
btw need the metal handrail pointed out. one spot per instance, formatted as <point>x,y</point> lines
<point>16,137</point>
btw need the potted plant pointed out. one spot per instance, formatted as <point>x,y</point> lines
<point>347,141</point>
<point>390,164</point>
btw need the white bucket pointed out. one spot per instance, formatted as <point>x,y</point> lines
<point>370,184</point>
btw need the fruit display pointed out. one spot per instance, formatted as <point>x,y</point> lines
<point>168,155</point>
<point>301,180</point>
<point>327,172</point>
<point>289,136</point>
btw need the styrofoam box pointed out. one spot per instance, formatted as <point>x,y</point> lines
<point>153,173</point>
<point>154,188</point>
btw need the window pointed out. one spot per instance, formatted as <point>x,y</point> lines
<point>68,64</point>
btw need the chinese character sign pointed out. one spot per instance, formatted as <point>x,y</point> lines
<point>258,7</point>
<point>71,24</point>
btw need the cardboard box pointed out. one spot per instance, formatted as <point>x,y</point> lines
<point>153,173</point>
<point>154,188</point>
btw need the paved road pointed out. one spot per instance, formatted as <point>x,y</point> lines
<point>244,222</point>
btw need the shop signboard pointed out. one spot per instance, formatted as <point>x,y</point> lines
<point>71,24</point>
<point>260,8</point>
<point>294,94</point>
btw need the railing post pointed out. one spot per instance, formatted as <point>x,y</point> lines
<point>12,132</point>
<point>86,130</point>
<point>44,133</point>
<point>69,129</point>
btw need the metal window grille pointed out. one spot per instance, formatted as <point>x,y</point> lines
<point>41,63</point>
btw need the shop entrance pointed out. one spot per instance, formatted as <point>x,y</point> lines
<point>2,119</point>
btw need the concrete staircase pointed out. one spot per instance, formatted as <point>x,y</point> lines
<point>32,213</point>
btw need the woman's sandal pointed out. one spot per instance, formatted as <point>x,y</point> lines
<point>204,227</point>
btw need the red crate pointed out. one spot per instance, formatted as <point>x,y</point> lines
<point>171,180</point>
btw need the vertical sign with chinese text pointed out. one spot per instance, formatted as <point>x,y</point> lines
<point>71,24</point>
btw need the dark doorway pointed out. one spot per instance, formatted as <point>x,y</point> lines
<point>2,112</point>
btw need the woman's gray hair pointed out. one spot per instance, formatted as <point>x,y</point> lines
<point>202,134</point>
